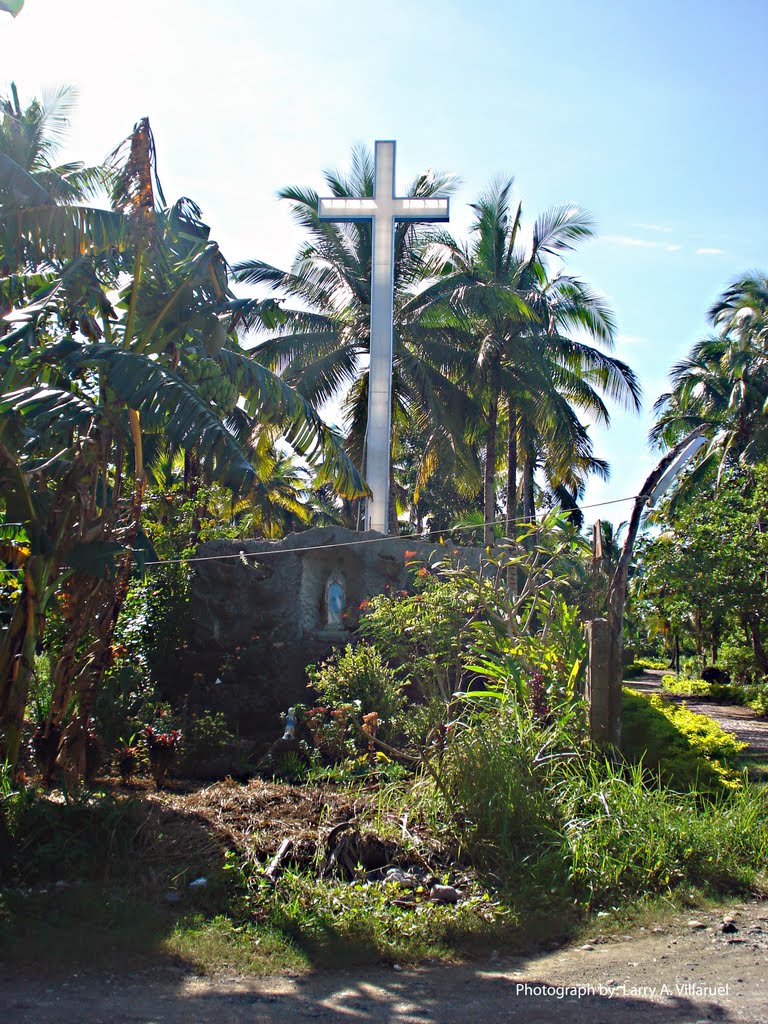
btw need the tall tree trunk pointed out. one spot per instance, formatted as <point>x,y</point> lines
<point>617,593</point>
<point>18,653</point>
<point>489,483</point>
<point>757,643</point>
<point>512,469</point>
<point>73,746</point>
<point>529,496</point>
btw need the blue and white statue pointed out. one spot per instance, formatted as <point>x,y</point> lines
<point>335,601</point>
<point>290,725</point>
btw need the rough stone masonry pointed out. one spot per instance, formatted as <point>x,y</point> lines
<point>258,622</point>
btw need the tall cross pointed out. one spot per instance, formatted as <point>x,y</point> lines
<point>383,210</point>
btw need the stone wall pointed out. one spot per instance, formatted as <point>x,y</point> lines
<point>258,622</point>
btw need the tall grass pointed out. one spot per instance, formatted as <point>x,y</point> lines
<point>533,805</point>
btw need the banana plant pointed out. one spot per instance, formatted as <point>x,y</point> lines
<point>115,343</point>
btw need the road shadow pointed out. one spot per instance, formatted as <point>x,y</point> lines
<point>377,996</point>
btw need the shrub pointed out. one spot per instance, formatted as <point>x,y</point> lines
<point>640,665</point>
<point>81,838</point>
<point>682,748</point>
<point>423,634</point>
<point>738,659</point>
<point>123,701</point>
<point>162,748</point>
<point>759,702</point>
<point>207,737</point>
<point>754,696</point>
<point>686,687</point>
<point>361,677</point>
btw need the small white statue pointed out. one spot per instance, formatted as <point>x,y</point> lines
<point>335,600</point>
<point>290,725</point>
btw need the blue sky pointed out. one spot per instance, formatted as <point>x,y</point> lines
<point>650,115</point>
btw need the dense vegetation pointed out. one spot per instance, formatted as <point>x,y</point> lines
<point>145,407</point>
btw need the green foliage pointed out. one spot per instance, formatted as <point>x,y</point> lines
<point>207,737</point>
<point>362,921</point>
<point>684,749</point>
<point>493,780</point>
<point>686,687</point>
<point>539,811</point>
<point>119,342</point>
<point>555,657</point>
<point>84,837</point>
<point>638,666</point>
<point>753,696</point>
<point>360,676</point>
<point>41,691</point>
<point>626,838</point>
<point>531,633</point>
<point>759,703</point>
<point>738,659</point>
<point>423,635</point>
<point>702,577</point>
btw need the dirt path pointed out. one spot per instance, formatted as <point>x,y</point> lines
<point>747,726</point>
<point>669,974</point>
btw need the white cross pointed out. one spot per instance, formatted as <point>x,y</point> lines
<point>383,210</point>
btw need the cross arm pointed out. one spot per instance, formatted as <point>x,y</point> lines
<point>434,209</point>
<point>346,209</point>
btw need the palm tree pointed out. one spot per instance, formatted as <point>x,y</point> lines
<point>722,388</point>
<point>522,319</point>
<point>322,349</point>
<point>31,138</point>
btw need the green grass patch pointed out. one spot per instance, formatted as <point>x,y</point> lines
<point>538,810</point>
<point>224,943</point>
<point>361,922</point>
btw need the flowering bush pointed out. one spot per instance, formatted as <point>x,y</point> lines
<point>360,678</point>
<point>329,730</point>
<point>163,748</point>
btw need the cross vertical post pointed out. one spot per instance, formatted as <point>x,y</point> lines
<point>383,210</point>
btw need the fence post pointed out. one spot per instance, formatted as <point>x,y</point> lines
<point>604,703</point>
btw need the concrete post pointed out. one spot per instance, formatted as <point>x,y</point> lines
<point>603,696</point>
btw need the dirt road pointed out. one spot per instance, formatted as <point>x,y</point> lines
<point>743,722</point>
<point>666,974</point>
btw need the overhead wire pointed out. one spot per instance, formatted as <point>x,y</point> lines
<point>424,536</point>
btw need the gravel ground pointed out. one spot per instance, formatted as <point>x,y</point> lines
<point>683,971</point>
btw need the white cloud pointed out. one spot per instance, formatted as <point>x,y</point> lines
<point>710,252</point>
<point>641,243</point>
<point>652,227</point>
